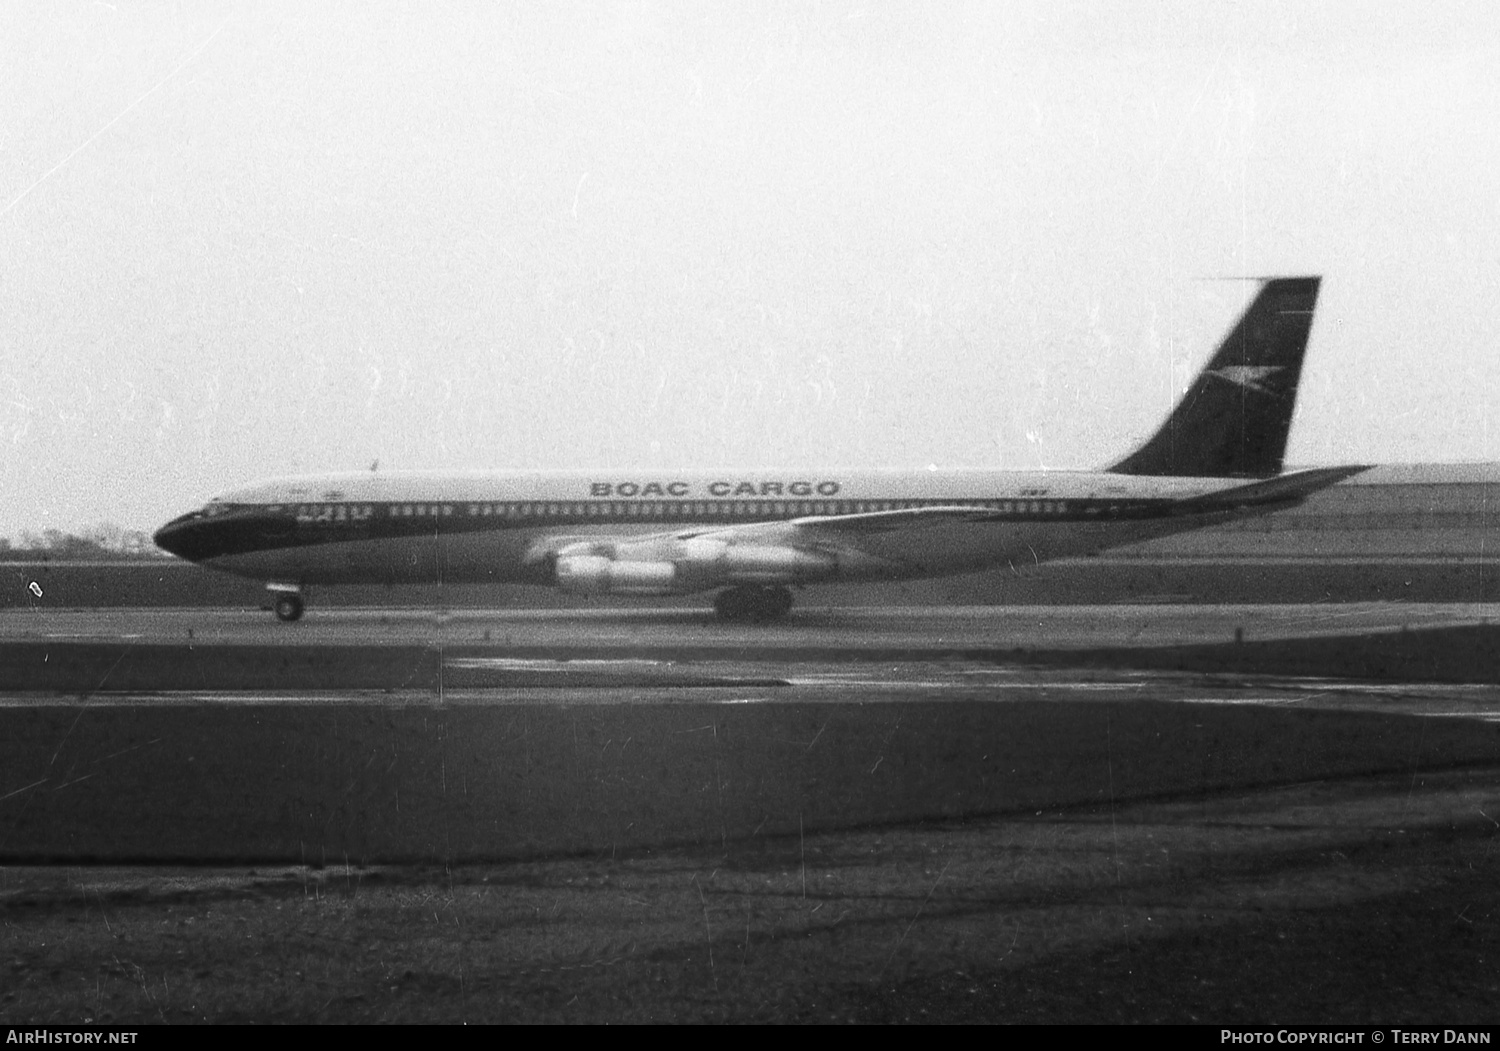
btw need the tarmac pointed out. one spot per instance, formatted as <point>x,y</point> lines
<point>856,814</point>
<point>809,629</point>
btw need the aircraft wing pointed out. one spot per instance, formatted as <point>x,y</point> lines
<point>828,534</point>
<point>1283,489</point>
<point>830,529</point>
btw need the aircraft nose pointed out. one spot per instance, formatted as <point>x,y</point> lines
<point>177,537</point>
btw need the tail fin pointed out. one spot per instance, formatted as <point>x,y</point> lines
<point>1233,421</point>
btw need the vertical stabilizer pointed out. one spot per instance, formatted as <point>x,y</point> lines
<point>1234,420</point>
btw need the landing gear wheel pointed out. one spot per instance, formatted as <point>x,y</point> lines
<point>731,604</point>
<point>748,602</point>
<point>778,602</point>
<point>288,607</point>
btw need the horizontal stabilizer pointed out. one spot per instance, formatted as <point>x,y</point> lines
<point>1286,488</point>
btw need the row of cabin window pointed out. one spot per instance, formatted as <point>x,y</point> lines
<point>622,509</point>
<point>361,512</point>
<point>333,512</point>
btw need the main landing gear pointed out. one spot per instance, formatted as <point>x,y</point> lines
<point>287,602</point>
<point>753,603</point>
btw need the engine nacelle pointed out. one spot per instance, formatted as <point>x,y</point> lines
<point>669,566</point>
<point>596,575</point>
<point>748,564</point>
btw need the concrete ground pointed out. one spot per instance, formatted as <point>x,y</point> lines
<point>767,831</point>
<point>1361,900</point>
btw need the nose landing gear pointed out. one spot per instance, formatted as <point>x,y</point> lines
<point>753,603</point>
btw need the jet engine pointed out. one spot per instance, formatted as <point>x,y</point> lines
<point>678,566</point>
<point>597,575</point>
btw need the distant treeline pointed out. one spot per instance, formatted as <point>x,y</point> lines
<point>103,541</point>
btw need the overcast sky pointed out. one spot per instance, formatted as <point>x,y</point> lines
<point>240,240</point>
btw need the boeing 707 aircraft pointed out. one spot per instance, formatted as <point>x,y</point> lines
<point>753,535</point>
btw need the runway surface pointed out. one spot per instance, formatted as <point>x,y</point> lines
<point>530,683</point>
<point>855,630</point>
<point>1420,659</point>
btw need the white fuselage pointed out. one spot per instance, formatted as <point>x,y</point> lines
<point>502,526</point>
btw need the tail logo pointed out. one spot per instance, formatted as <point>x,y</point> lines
<point>1250,377</point>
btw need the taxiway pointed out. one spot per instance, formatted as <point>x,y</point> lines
<point>807,631</point>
